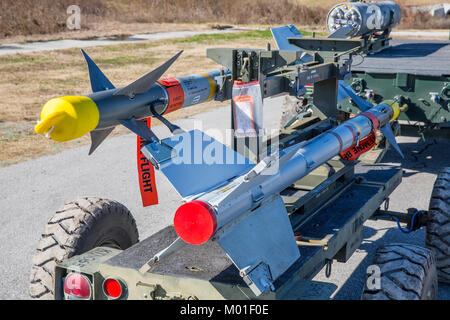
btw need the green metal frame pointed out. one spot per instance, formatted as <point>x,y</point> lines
<point>322,207</point>
<point>410,89</point>
<point>309,202</point>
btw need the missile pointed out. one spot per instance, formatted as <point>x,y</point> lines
<point>70,117</point>
<point>363,18</point>
<point>237,203</point>
<point>295,162</point>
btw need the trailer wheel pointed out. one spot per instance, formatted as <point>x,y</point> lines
<point>401,272</point>
<point>78,227</point>
<point>438,224</point>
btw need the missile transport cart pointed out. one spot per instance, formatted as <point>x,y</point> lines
<point>90,247</point>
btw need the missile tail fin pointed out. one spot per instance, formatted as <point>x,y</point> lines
<point>386,130</point>
<point>97,137</point>
<point>341,33</point>
<point>99,82</point>
<point>185,157</point>
<point>140,128</point>
<point>262,245</point>
<point>345,91</point>
<point>144,83</point>
<point>281,35</point>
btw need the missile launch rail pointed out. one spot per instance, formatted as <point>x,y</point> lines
<point>329,219</point>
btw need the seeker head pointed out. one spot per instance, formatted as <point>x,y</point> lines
<point>195,222</point>
<point>67,118</point>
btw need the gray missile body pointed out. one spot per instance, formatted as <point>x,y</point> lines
<point>238,204</point>
<point>70,117</point>
<point>362,18</point>
<point>114,108</point>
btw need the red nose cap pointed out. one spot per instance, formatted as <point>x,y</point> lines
<point>195,222</point>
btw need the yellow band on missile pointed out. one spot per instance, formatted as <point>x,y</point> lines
<point>395,108</point>
<point>70,117</point>
<point>212,85</point>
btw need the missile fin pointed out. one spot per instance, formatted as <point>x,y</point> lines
<point>341,33</point>
<point>140,128</point>
<point>345,91</point>
<point>185,157</point>
<point>99,82</point>
<point>144,83</point>
<point>261,244</point>
<point>97,137</point>
<point>386,130</point>
<point>281,35</point>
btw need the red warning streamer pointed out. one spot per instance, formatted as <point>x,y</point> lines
<point>146,172</point>
<point>355,151</point>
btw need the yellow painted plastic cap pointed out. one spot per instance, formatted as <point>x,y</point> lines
<point>70,117</point>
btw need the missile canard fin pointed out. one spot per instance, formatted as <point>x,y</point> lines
<point>99,82</point>
<point>97,137</point>
<point>144,83</point>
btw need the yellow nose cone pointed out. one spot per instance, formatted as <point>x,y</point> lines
<point>68,118</point>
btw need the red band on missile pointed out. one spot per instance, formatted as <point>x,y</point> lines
<point>195,222</point>
<point>373,119</point>
<point>175,92</point>
<point>146,172</point>
<point>355,151</point>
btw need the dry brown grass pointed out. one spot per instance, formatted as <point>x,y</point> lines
<point>25,17</point>
<point>422,21</point>
<point>330,3</point>
<point>43,16</point>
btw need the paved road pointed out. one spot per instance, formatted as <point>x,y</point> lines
<point>33,190</point>
<point>13,48</point>
<point>421,34</point>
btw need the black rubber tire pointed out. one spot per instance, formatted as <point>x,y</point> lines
<point>408,272</point>
<point>438,224</point>
<point>78,227</point>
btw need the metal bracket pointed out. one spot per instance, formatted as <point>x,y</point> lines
<point>174,129</point>
<point>258,278</point>
<point>307,241</point>
<point>157,152</point>
<point>172,248</point>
